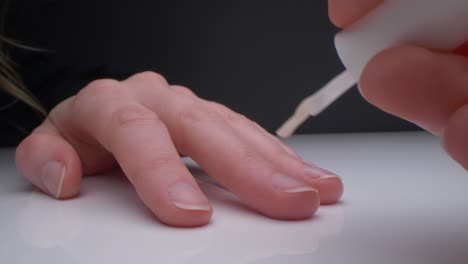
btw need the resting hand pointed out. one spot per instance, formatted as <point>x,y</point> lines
<point>142,124</point>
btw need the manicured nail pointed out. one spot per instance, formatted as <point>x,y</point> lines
<point>53,174</point>
<point>290,185</point>
<point>316,173</point>
<point>186,196</point>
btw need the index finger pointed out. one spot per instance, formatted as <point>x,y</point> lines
<point>106,112</point>
<point>345,12</point>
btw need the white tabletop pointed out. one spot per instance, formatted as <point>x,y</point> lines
<point>405,201</point>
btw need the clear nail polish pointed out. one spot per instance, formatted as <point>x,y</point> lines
<point>319,173</point>
<point>53,174</point>
<point>187,197</point>
<point>290,185</point>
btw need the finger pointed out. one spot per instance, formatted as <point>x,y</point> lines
<point>50,162</point>
<point>202,134</point>
<point>253,132</point>
<point>328,184</point>
<point>419,85</point>
<point>228,115</point>
<point>142,146</point>
<point>454,137</point>
<point>94,158</point>
<point>462,50</point>
<point>345,12</point>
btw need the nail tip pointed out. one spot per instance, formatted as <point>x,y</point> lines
<point>301,190</point>
<point>317,173</point>
<point>188,197</point>
<point>60,183</point>
<point>291,185</point>
<point>192,207</point>
<point>329,176</point>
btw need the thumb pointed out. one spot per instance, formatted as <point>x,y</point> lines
<point>422,86</point>
<point>50,162</point>
<point>426,87</point>
<point>455,136</point>
<point>345,12</point>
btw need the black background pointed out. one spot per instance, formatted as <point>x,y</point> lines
<point>258,57</point>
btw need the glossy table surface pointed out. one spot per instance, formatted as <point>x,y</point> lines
<point>405,201</point>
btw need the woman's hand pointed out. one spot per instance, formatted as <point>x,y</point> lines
<point>142,124</point>
<point>426,87</point>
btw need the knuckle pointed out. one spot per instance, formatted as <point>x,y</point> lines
<point>61,113</point>
<point>260,128</point>
<point>132,115</point>
<point>232,117</point>
<point>192,116</point>
<point>99,87</point>
<point>251,159</point>
<point>183,90</point>
<point>164,162</point>
<point>96,91</point>
<point>219,107</point>
<point>91,101</point>
<point>229,115</point>
<point>235,117</point>
<point>256,125</point>
<point>192,112</point>
<point>153,77</point>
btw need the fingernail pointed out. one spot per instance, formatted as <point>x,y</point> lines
<point>290,185</point>
<point>186,196</point>
<point>319,173</point>
<point>53,174</point>
<point>314,172</point>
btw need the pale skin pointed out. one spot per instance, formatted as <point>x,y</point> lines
<point>143,124</point>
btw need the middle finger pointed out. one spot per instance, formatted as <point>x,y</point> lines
<point>142,146</point>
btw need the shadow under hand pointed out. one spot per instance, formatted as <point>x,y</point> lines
<point>108,222</point>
